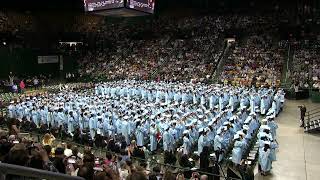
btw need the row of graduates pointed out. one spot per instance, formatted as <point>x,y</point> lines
<point>129,116</point>
<point>203,94</point>
<point>40,114</point>
<point>266,137</point>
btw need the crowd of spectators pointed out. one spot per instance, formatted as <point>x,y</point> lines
<point>306,64</point>
<point>179,49</point>
<point>173,56</point>
<point>67,158</point>
<point>19,84</point>
<point>258,61</point>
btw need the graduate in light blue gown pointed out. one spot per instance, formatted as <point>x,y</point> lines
<point>264,158</point>
<point>20,112</point>
<point>202,141</point>
<point>166,140</point>
<point>263,105</point>
<point>273,127</point>
<point>35,117</point>
<point>139,134</point>
<point>231,103</point>
<point>124,129</point>
<point>273,146</point>
<point>92,126</point>
<point>11,110</point>
<point>61,117</point>
<point>186,143</point>
<point>153,138</point>
<point>100,125</point>
<point>211,135</point>
<point>173,131</point>
<point>85,120</point>
<point>221,102</point>
<point>50,118</point>
<point>217,146</point>
<point>70,123</point>
<point>237,150</point>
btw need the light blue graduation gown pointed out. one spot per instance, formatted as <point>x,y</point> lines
<point>166,141</point>
<point>186,145</point>
<point>124,131</point>
<point>70,124</point>
<point>140,136</point>
<point>273,147</point>
<point>264,160</point>
<point>11,111</point>
<point>201,143</point>
<point>35,117</point>
<point>92,126</point>
<point>153,139</point>
<point>237,152</point>
<point>217,145</point>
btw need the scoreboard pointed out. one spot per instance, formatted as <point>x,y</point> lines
<point>141,5</point>
<point>96,5</point>
<point>145,6</point>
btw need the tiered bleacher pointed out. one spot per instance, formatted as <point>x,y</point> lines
<point>257,62</point>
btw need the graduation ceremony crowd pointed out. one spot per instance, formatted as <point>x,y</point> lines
<point>172,49</point>
<point>259,61</point>
<point>142,119</point>
<point>306,72</point>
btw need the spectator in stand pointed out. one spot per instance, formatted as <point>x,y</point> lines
<point>48,139</point>
<point>22,86</point>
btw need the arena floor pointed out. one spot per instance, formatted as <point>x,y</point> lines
<point>298,157</point>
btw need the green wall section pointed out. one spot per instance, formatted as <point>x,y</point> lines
<point>24,62</point>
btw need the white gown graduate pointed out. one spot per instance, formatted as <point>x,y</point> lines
<point>201,142</point>
<point>166,141</point>
<point>92,126</point>
<point>186,144</point>
<point>153,138</point>
<point>140,135</point>
<point>124,130</point>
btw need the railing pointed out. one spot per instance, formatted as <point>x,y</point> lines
<point>221,63</point>
<point>313,110</point>
<point>287,64</point>
<point>311,115</point>
<point>10,169</point>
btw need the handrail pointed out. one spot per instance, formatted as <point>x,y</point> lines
<point>10,169</point>
<point>288,59</point>
<point>314,109</point>
<point>313,113</point>
<point>311,116</point>
<point>221,62</point>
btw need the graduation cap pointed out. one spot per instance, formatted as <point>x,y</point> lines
<point>246,127</point>
<point>267,142</point>
<point>236,136</point>
<point>263,127</point>
<point>219,130</point>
